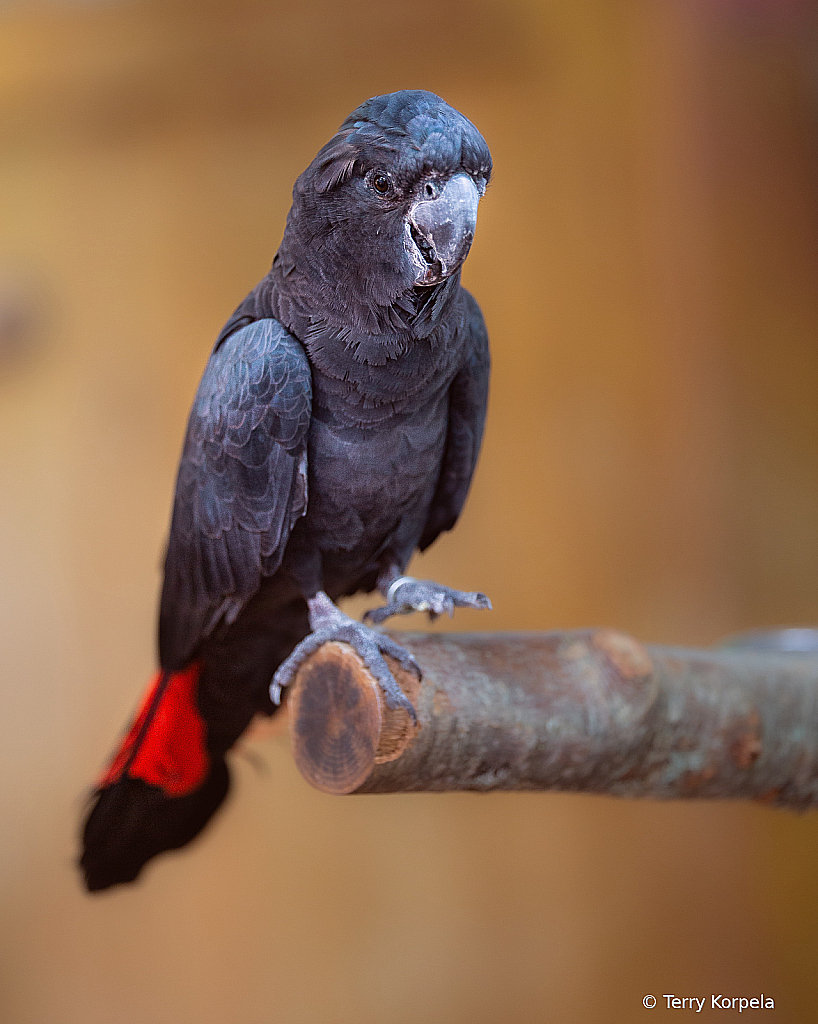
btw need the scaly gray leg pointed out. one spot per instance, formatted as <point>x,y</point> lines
<point>328,622</point>
<point>404,594</point>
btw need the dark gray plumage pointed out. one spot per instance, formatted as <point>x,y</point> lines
<point>335,431</point>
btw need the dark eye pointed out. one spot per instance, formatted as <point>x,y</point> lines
<point>381,183</point>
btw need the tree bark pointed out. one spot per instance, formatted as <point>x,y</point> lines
<point>592,711</point>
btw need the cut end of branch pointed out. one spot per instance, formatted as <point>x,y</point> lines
<point>339,722</point>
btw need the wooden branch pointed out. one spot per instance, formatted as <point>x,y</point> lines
<point>591,711</point>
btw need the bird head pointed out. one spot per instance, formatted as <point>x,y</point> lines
<point>389,204</point>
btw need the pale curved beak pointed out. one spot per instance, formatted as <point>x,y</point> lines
<point>442,229</point>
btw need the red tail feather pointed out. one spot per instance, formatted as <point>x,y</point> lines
<point>165,746</point>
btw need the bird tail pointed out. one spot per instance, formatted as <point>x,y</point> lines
<point>161,788</point>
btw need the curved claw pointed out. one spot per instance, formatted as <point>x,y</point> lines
<point>406,660</point>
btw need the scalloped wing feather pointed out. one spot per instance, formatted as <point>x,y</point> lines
<point>242,483</point>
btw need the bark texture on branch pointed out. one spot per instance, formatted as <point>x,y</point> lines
<point>590,710</point>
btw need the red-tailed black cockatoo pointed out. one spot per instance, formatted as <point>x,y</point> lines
<point>335,431</point>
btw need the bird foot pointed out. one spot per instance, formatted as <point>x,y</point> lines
<point>328,622</point>
<point>407,595</point>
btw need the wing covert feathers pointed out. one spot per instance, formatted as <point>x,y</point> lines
<point>468,401</point>
<point>242,483</point>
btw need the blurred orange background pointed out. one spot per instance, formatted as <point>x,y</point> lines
<point>647,261</point>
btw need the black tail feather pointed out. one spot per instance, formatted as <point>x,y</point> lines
<point>132,821</point>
